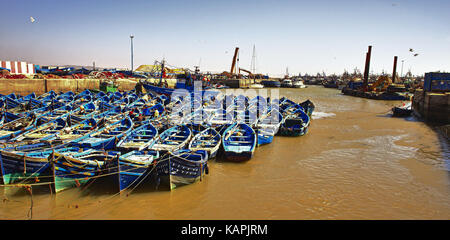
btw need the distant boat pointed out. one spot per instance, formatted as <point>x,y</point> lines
<point>256,85</point>
<point>298,84</point>
<point>286,83</point>
<point>271,84</point>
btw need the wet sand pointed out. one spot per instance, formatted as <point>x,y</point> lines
<point>356,162</point>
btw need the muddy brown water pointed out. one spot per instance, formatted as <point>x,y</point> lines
<point>356,162</point>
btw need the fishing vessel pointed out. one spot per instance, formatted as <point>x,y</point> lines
<point>135,167</point>
<point>76,170</point>
<point>173,139</point>
<point>239,142</point>
<point>182,167</point>
<point>106,137</point>
<point>208,140</point>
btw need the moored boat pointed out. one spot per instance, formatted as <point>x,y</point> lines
<point>182,167</point>
<point>173,139</point>
<point>134,166</point>
<point>139,138</point>
<point>239,142</point>
<point>208,140</point>
<point>75,170</point>
<point>295,123</point>
<point>106,137</point>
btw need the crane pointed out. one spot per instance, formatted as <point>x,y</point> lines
<point>250,75</point>
<point>233,64</point>
<point>385,80</point>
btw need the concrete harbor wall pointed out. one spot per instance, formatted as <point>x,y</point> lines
<point>433,107</point>
<point>40,86</point>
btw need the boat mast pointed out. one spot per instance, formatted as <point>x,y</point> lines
<point>162,71</point>
<point>253,64</point>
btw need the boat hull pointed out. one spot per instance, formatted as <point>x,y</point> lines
<point>238,156</point>
<point>264,139</point>
<point>132,173</point>
<point>175,171</point>
<point>17,167</point>
<point>73,173</point>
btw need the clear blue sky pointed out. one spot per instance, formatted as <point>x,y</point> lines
<point>305,36</point>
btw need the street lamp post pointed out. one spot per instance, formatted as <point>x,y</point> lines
<point>131,37</point>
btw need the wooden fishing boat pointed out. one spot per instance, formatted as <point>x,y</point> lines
<point>106,137</point>
<point>239,142</point>
<point>134,166</point>
<point>28,166</point>
<point>17,127</point>
<point>220,118</point>
<point>139,138</point>
<point>173,139</point>
<point>7,117</point>
<point>403,111</point>
<point>268,126</point>
<point>43,132</point>
<point>182,167</point>
<point>83,112</point>
<point>170,91</point>
<point>295,124</point>
<point>75,170</point>
<point>208,140</point>
<point>308,107</point>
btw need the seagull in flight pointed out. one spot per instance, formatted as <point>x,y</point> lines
<point>32,20</point>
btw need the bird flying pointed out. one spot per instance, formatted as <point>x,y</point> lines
<point>32,20</point>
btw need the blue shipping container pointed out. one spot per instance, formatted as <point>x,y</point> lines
<point>437,82</point>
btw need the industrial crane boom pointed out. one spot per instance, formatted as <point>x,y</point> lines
<point>233,64</point>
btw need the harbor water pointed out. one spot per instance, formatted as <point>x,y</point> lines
<point>356,162</point>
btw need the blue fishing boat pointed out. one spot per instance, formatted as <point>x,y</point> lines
<point>43,131</point>
<point>8,117</point>
<point>221,117</point>
<point>16,127</point>
<point>28,166</point>
<point>139,138</point>
<point>134,166</point>
<point>208,140</point>
<point>182,167</point>
<point>267,126</point>
<point>295,124</point>
<point>239,142</point>
<point>173,139</point>
<point>106,137</point>
<point>270,83</point>
<point>308,107</point>
<point>75,170</point>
